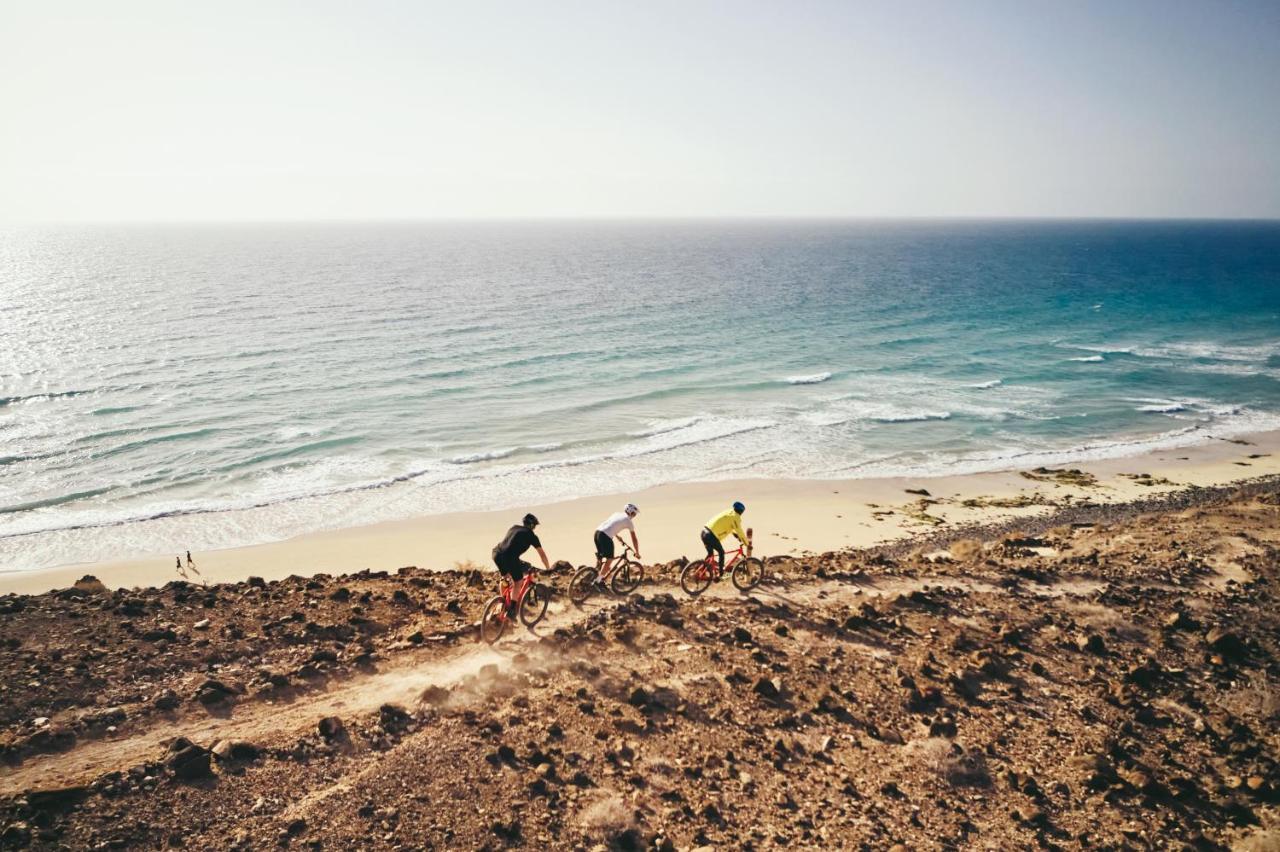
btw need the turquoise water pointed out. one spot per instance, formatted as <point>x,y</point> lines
<point>166,388</point>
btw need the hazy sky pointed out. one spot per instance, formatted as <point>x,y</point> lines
<point>173,110</point>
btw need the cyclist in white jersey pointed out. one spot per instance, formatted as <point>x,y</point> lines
<point>606,532</point>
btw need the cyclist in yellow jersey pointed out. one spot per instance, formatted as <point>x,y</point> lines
<point>728,522</point>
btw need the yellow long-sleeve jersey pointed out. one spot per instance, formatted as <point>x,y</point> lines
<point>726,523</point>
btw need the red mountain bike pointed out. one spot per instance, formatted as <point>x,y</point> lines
<point>746,573</point>
<point>623,577</point>
<point>530,602</point>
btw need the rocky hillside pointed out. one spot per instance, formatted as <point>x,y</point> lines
<point>1091,685</point>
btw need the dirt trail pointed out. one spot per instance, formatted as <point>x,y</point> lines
<point>412,673</point>
<point>402,684</point>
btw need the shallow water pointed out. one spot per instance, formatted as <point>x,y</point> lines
<point>245,384</point>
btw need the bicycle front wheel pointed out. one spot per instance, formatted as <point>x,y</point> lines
<point>696,577</point>
<point>580,585</point>
<point>627,576</point>
<point>534,605</point>
<point>494,620</point>
<point>748,573</point>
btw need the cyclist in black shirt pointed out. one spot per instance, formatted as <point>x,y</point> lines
<point>506,555</point>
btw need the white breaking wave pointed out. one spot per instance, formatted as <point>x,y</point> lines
<point>912,416</point>
<point>658,427</point>
<point>1105,350</point>
<point>1234,368</point>
<point>816,378</point>
<point>933,464</point>
<point>1210,351</point>
<point>1088,359</point>
<point>489,455</point>
<point>1160,405</point>
<point>984,385</point>
<point>863,411</point>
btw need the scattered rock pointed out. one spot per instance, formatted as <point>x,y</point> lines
<point>1091,643</point>
<point>331,728</point>
<point>767,689</point>
<point>1225,642</point>
<point>188,761</point>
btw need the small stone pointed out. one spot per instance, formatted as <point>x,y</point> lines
<point>166,699</point>
<point>332,728</point>
<point>1091,643</point>
<point>767,689</point>
<point>15,835</point>
<point>190,763</point>
<point>202,624</point>
<point>225,750</point>
<point>1029,814</point>
<point>1225,642</point>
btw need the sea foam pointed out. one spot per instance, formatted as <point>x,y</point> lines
<point>814,379</point>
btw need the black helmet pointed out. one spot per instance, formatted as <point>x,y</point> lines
<point>530,520</point>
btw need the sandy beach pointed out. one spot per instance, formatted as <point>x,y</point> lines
<point>789,518</point>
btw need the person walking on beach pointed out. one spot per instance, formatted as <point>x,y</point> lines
<point>607,532</point>
<point>728,522</point>
<point>507,553</point>
<point>191,563</point>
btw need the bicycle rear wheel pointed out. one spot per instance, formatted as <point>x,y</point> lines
<point>696,577</point>
<point>534,604</point>
<point>580,586</point>
<point>627,576</point>
<point>748,573</point>
<point>494,620</point>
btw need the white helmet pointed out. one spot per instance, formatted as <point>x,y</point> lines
<point>631,509</point>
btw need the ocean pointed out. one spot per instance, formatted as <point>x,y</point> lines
<point>175,387</point>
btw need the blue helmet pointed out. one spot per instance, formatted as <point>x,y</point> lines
<point>739,508</point>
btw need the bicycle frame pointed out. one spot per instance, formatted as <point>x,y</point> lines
<point>625,556</point>
<point>514,593</point>
<point>714,564</point>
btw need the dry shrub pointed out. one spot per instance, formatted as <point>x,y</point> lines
<point>1261,840</point>
<point>661,766</point>
<point>1259,699</point>
<point>608,816</point>
<point>966,550</point>
<point>466,566</point>
<point>1104,619</point>
<point>949,761</point>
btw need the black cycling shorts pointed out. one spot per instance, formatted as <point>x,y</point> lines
<point>604,545</point>
<point>513,568</point>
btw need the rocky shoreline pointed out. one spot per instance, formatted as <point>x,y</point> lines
<point>1101,677</point>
